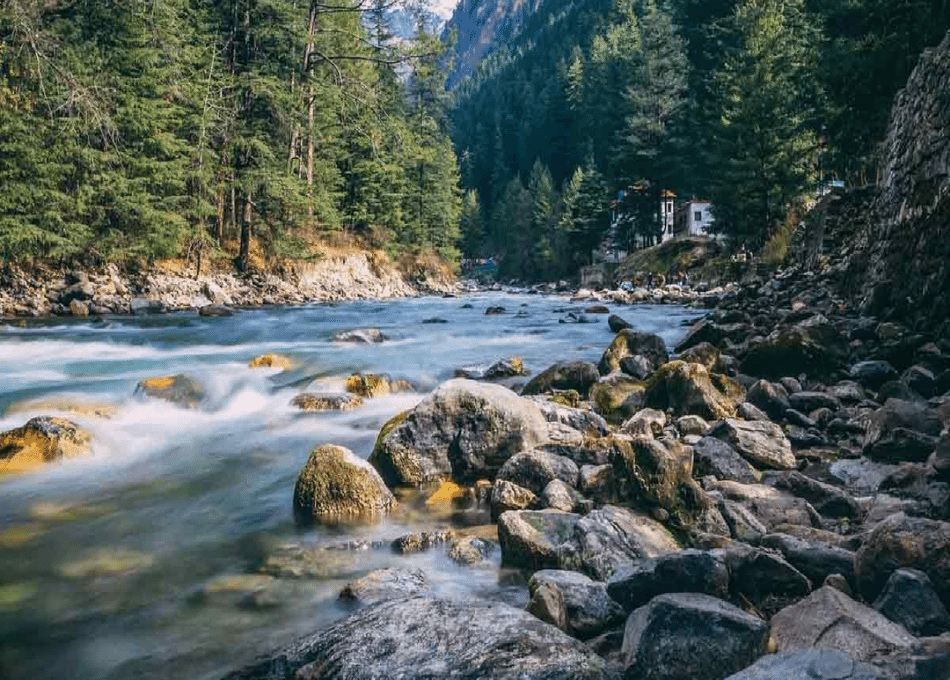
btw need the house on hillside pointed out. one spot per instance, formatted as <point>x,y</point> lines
<point>693,218</point>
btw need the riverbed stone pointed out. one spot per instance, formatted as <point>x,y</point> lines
<point>690,571</point>
<point>649,473</point>
<point>612,396</point>
<point>385,584</point>
<point>40,441</point>
<point>464,430</point>
<point>271,361</point>
<point>904,541</point>
<point>506,495</point>
<point>770,506</point>
<point>766,579</point>
<point>336,484</point>
<point>319,401</point>
<point>629,342</point>
<point>587,609</point>
<point>458,638</point>
<point>535,469</point>
<point>559,496</point>
<point>770,397</point>
<point>809,664</point>
<point>715,457</point>
<point>181,390</point>
<point>688,389</point>
<point>902,431</point>
<point>532,539</point>
<point>682,636</point>
<point>762,443</point>
<point>362,336</point>
<point>637,366</point>
<point>829,618</point>
<point>813,347</point>
<point>828,500</point>
<point>909,599</point>
<point>564,375</point>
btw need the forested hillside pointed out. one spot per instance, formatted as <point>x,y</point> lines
<point>749,103</point>
<point>150,128</point>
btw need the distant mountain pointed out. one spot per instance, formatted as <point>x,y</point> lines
<point>484,25</point>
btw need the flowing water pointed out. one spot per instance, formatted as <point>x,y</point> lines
<point>145,559</point>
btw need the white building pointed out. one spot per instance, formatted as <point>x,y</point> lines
<point>694,218</point>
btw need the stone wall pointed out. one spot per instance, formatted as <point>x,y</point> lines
<point>903,263</point>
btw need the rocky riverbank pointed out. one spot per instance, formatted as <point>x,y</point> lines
<point>44,291</point>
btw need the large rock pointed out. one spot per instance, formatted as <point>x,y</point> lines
<point>909,599</point>
<point>762,443</point>
<point>319,402</point>
<point>42,440</point>
<point>813,347</point>
<point>588,610</point>
<point>902,541</point>
<point>428,638</point>
<point>829,618</point>
<point>181,390</point>
<point>770,506</point>
<point>687,389</point>
<point>715,457</point>
<point>631,343</point>
<point>465,430</point>
<point>610,536</point>
<point>385,584</point>
<point>814,559</point>
<point>336,484</point>
<point>689,571</point>
<point>535,469</point>
<point>902,431</point>
<point>507,496</point>
<point>772,398</point>
<point>360,336</point>
<point>686,636</point>
<point>828,500</point>
<point>617,396</point>
<point>809,664</point>
<point>766,579</point>
<point>535,540</point>
<point>564,375</point>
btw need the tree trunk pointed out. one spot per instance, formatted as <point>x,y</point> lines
<point>245,253</point>
<point>311,29</point>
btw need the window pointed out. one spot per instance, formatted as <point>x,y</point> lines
<point>698,216</point>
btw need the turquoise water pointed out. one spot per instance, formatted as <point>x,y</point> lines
<point>145,559</point>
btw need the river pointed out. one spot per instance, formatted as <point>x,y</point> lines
<point>143,560</point>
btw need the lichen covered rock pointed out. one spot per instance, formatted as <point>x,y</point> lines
<point>337,485</point>
<point>42,440</point>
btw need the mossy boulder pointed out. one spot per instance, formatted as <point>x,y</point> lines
<point>689,389</point>
<point>271,361</point>
<point>617,396</point>
<point>337,485</point>
<point>42,440</point>
<point>180,389</point>
<point>564,375</point>
<point>326,402</point>
<point>631,343</point>
<point>464,431</point>
<point>814,347</point>
<point>370,385</point>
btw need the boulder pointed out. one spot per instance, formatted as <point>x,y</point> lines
<point>813,347</point>
<point>336,484</point>
<point>470,550</point>
<point>611,536</point>
<point>651,474</point>
<point>828,500</point>
<point>689,571</point>
<point>181,390</point>
<point>766,579</point>
<point>457,638</point>
<point>770,397</point>
<point>363,336</point>
<point>41,440</point>
<point>816,560</point>
<point>687,389</point>
<point>691,425</point>
<point>420,541</point>
<point>684,636</point>
<point>215,310</point>
<point>271,361</point>
<point>903,541</point>
<point>587,609</point>
<point>637,366</point>
<point>564,375</point>
<point>807,402</point>
<point>809,664</point>
<point>385,584</point>
<point>617,324</point>
<point>369,385</point>
<point>829,618</point>
<point>630,343</point>
<point>535,469</point>
<point>507,496</point>
<point>79,308</point>
<point>702,331</point>
<point>704,353</point>
<point>747,411</point>
<point>597,482</point>
<point>909,599</point>
<point>317,401</point>
<point>762,443</point>
<point>464,430</point>
<point>559,496</point>
<point>648,422</point>
<point>902,431</point>
<point>771,507</point>
<point>873,374</point>
<point>713,456</point>
<point>612,396</point>
<point>534,540</point>
<point>587,422</point>
<point>922,381</point>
